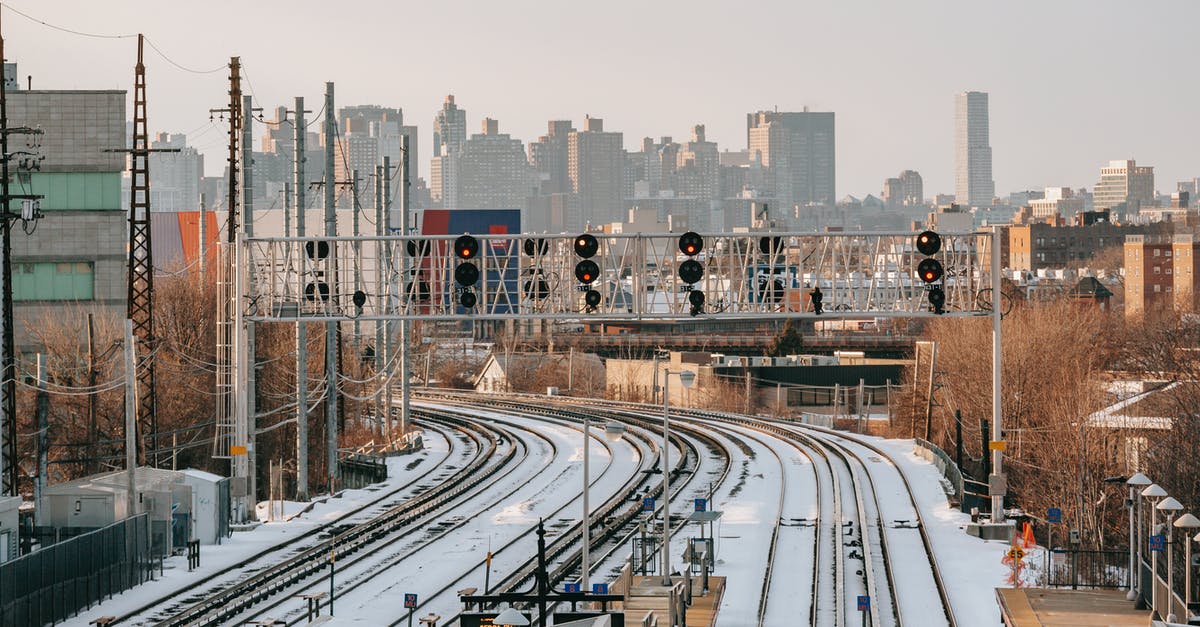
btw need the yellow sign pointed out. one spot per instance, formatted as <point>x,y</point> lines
<point>237,450</point>
<point>997,445</point>
<point>1016,553</point>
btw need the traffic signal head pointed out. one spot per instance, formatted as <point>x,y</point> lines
<point>536,247</point>
<point>691,243</point>
<point>929,243</point>
<point>930,270</point>
<point>466,274</point>
<point>466,247</point>
<point>817,299</point>
<point>587,271</point>
<point>696,299</point>
<point>937,299</point>
<point>592,299</point>
<point>467,300</point>
<point>586,245</point>
<point>691,271</point>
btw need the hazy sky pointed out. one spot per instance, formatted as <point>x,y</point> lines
<point>1073,83</point>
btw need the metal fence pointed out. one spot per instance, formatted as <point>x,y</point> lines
<point>1089,569</point>
<point>55,583</point>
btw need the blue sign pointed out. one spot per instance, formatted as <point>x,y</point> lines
<point>1054,515</point>
<point>410,600</point>
<point>570,587</point>
<point>599,588</point>
<point>701,505</point>
<point>647,505</point>
<point>1158,543</point>
<point>864,603</point>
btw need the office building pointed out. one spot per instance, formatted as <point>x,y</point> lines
<point>1124,188</point>
<point>449,128</point>
<point>493,171</point>
<point>912,188</point>
<point>77,253</point>
<point>973,183</point>
<point>797,150</point>
<point>596,170</point>
<point>1056,203</point>
<point>548,156</point>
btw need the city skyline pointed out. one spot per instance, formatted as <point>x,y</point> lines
<point>1051,105</point>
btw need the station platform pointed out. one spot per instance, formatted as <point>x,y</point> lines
<point>647,594</point>
<point>1037,607</point>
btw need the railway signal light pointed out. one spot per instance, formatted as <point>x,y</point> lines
<point>417,248</point>
<point>691,243</point>
<point>466,274</point>
<point>817,297</point>
<point>586,270</point>
<point>466,247</point>
<point>316,250</point>
<point>696,299</point>
<point>537,288</point>
<point>691,271</point>
<point>930,270</point>
<point>536,247</point>
<point>769,245</point>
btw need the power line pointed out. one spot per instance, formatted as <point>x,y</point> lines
<point>63,28</point>
<point>178,65</point>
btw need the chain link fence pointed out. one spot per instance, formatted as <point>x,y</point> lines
<point>55,583</point>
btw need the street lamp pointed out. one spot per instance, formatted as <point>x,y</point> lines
<point>612,432</point>
<point>1136,484</point>
<point>686,377</point>
<point>1153,492</point>
<point>1170,506</point>
<point>1188,523</point>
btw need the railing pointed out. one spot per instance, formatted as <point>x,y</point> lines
<point>944,464</point>
<point>56,582</point>
<point>1088,569</point>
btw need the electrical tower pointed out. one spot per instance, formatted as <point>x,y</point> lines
<point>29,211</point>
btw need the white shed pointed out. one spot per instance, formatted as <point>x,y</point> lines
<point>210,505</point>
<point>8,527</point>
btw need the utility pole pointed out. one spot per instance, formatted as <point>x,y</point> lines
<point>390,264</point>
<point>331,353</point>
<point>231,433</point>
<point>8,370</point>
<point>357,262</point>
<point>130,418</point>
<point>43,439</point>
<point>203,244</point>
<point>405,325</point>
<point>384,424</point>
<point>301,327</point>
<point>247,359</point>
<point>93,465</point>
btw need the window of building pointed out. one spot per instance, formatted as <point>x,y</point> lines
<point>1157,269</point>
<point>64,280</point>
<point>1157,252</point>
<point>1157,288</point>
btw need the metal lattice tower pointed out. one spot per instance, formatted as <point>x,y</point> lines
<point>141,262</point>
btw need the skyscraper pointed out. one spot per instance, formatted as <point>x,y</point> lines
<point>596,169</point>
<point>798,151</point>
<point>973,184</point>
<point>548,156</point>
<point>493,171</point>
<point>449,128</point>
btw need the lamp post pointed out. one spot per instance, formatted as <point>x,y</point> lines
<point>612,432</point>
<point>1136,484</point>
<point>1188,523</point>
<point>686,377</point>
<point>1153,492</point>
<point>1170,506</point>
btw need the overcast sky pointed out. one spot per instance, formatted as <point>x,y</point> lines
<point>1073,83</point>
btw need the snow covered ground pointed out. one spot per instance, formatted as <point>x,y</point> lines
<point>752,499</point>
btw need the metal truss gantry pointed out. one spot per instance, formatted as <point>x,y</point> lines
<point>533,277</point>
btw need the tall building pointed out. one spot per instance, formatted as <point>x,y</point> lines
<point>893,193</point>
<point>449,128</point>
<point>1124,188</point>
<point>548,156</point>
<point>797,149</point>
<point>973,184</point>
<point>596,169</point>
<point>698,171</point>
<point>1150,273</point>
<point>912,188</point>
<point>176,182</point>
<point>77,254</point>
<point>493,171</point>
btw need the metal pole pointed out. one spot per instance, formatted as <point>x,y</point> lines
<point>1187,573</point>
<point>43,439</point>
<point>130,416</point>
<point>301,327</point>
<point>571,370</point>
<point>997,416</point>
<point>250,398</point>
<point>587,527</point>
<point>406,325</point>
<point>1153,563</point>
<point>331,352</point>
<point>666,545</point>
<point>389,264</point>
<point>384,426</point>
<point>1170,541</point>
<point>8,389</point>
<point>203,243</point>
<point>1132,543</point>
